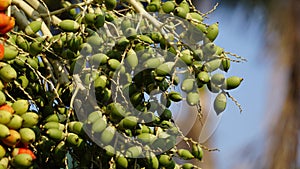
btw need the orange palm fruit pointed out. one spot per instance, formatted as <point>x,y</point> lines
<point>20,150</point>
<point>13,139</point>
<point>4,4</point>
<point>6,107</point>
<point>4,19</point>
<point>8,27</point>
<point>1,51</point>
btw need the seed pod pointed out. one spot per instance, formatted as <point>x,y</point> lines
<point>168,6</point>
<point>4,131</point>
<point>5,117</point>
<point>165,160</point>
<point>30,119</point>
<point>175,96</point>
<point>132,59</point>
<point>55,134</point>
<point>8,73</point>
<point>107,135</point>
<point>22,161</point>
<point>220,103</point>
<point>185,154</point>
<point>8,27</point>
<point>33,27</point>
<point>192,98</point>
<point>146,138</point>
<point>95,115</point>
<point>10,53</point>
<point>225,65</point>
<point>188,85</point>
<point>27,135</point>
<point>13,138</point>
<point>69,25</point>
<point>134,152</point>
<point>20,106</point>
<point>110,4</point>
<point>2,98</point>
<point>122,162</point>
<point>55,125</point>
<point>76,127</point>
<point>2,151</point>
<point>187,166</point>
<point>164,69</point>
<point>218,78</point>
<point>194,16</point>
<point>181,12</point>
<point>212,65</point>
<point>232,82</point>
<point>56,117</point>
<point>197,151</point>
<point>212,31</point>
<point>15,122</point>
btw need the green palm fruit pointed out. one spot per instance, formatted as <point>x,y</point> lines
<point>152,160</point>
<point>23,81</point>
<point>129,122</point>
<point>54,124</point>
<point>132,59</point>
<point>5,117</point>
<point>166,115</point>
<point>188,166</point>
<point>4,131</point>
<point>181,12</point>
<point>209,49</point>
<point>99,125</point>
<point>100,20</point>
<point>194,16</point>
<point>125,24</point>
<point>100,82</point>
<point>35,48</point>
<point>55,134</point>
<point>22,161</point>
<point>56,118</point>
<point>33,27</point>
<point>164,69</point>
<point>2,98</point>
<point>15,122</point>
<point>122,43</point>
<point>106,95</point>
<point>134,152</point>
<point>197,151</point>
<point>219,50</point>
<point>146,39</point>
<point>220,103</point>
<point>76,127</point>
<point>165,160</point>
<point>109,150</point>
<point>20,106</point>
<point>8,73</point>
<point>74,139</point>
<point>2,151</point>
<point>168,6</point>
<point>137,98</point>
<point>69,25</point>
<point>98,59</point>
<point>131,33</point>
<point>213,88</point>
<point>1,85</point>
<point>95,41</point>
<point>212,31</point>
<point>153,6</point>
<point>108,135</point>
<point>122,162</point>
<point>225,65</point>
<point>90,18</point>
<point>146,138</point>
<point>116,110</point>
<point>156,37</point>
<point>85,49</point>
<point>232,82</point>
<point>4,162</point>
<point>185,154</point>
<point>30,119</point>
<point>95,115</point>
<point>185,5</point>
<point>153,62</point>
<point>188,85</point>
<point>202,27</point>
<point>175,96</point>
<point>186,57</point>
<point>203,77</point>
<point>27,135</point>
<point>114,64</point>
<point>218,79</point>
<point>212,65</point>
<point>192,98</point>
<point>10,52</point>
<point>110,4</point>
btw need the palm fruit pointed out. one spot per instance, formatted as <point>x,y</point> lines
<point>7,107</point>
<point>7,73</point>
<point>184,4</point>
<point>114,64</point>
<point>153,62</point>
<point>122,162</point>
<point>107,135</point>
<point>33,27</point>
<point>188,85</point>
<point>99,125</point>
<point>69,25</point>
<point>20,106</point>
<point>22,161</point>
<point>8,27</point>
<point>185,154</point>
<point>220,103</point>
<point>35,48</point>
<point>15,122</point>
<point>74,139</point>
<point>21,150</point>
<point>76,127</point>
<point>56,117</point>
<point>209,49</point>
<point>165,160</point>
<point>27,135</point>
<point>129,122</point>
<point>2,151</point>
<point>90,18</point>
<point>192,98</point>
<point>95,115</point>
<point>30,119</point>
<point>212,31</point>
<point>164,69</point>
<point>203,77</point>
<point>110,4</point>
<point>54,124</point>
<point>146,138</point>
<point>4,21</point>
<point>194,16</point>
<point>116,111</point>
<point>213,88</point>
<point>168,6</point>
<point>55,134</point>
<point>13,138</point>
<point>175,96</point>
<point>232,82</point>
<point>152,160</point>
<point>132,59</point>
<point>134,152</point>
<point>4,131</point>
<point>153,6</point>
<point>4,4</point>
<point>5,117</point>
<point>225,65</point>
<point>2,98</point>
<point>188,166</point>
<point>166,114</point>
<point>10,53</point>
<point>98,59</point>
<point>217,78</point>
<point>23,81</point>
<point>197,151</point>
<point>212,65</point>
<point>180,11</point>
<point>2,51</point>
<point>100,20</point>
<point>4,162</point>
<point>109,150</point>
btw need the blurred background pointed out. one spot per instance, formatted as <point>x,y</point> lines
<point>266,134</point>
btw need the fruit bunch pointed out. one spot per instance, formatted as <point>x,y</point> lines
<point>93,85</point>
